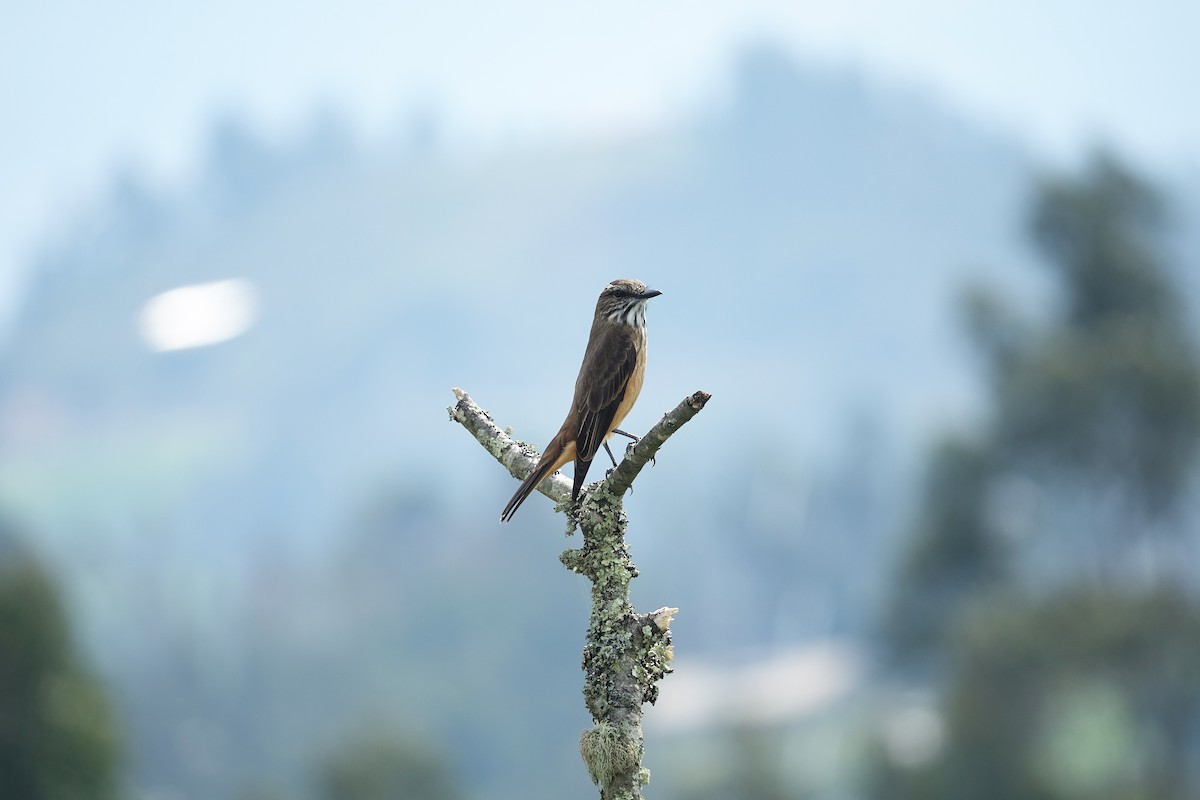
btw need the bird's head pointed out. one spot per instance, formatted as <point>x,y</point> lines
<point>624,300</point>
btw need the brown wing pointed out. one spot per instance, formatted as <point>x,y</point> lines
<point>607,366</point>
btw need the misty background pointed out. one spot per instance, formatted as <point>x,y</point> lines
<point>934,536</point>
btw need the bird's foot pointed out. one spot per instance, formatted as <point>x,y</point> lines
<point>632,444</point>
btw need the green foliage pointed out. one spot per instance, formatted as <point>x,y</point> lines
<point>1105,397</point>
<point>754,769</point>
<point>1081,692</point>
<point>380,767</point>
<point>953,556</point>
<point>1111,392</point>
<point>58,740</point>
<point>1102,232</point>
<point>1088,695</point>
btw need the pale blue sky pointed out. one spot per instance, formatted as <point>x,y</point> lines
<point>85,86</point>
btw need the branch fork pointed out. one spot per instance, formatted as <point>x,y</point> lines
<point>626,653</point>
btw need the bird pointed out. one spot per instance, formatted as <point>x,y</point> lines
<point>610,379</point>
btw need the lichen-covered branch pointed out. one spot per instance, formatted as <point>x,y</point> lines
<point>626,653</point>
<point>637,456</point>
<point>517,457</point>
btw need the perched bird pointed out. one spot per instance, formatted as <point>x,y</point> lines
<point>609,381</point>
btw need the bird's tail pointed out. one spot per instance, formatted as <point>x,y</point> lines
<point>545,466</point>
<point>581,471</point>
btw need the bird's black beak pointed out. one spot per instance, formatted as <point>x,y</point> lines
<point>646,295</point>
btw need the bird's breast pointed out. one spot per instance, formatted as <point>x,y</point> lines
<point>634,387</point>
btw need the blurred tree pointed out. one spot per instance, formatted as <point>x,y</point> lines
<point>1090,695</point>
<point>953,558</point>
<point>58,740</point>
<point>754,768</point>
<point>1077,693</point>
<point>380,767</point>
<point>1100,408</point>
<point>1110,393</point>
<point>261,792</point>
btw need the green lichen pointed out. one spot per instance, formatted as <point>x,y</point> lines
<point>608,754</point>
<point>626,654</point>
<point>622,658</point>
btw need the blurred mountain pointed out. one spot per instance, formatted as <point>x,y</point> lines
<point>273,537</point>
<point>810,234</point>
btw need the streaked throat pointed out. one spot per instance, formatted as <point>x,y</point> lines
<point>633,315</point>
